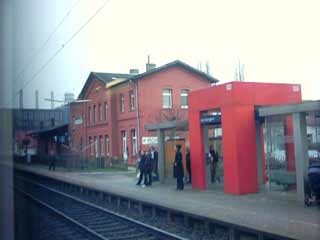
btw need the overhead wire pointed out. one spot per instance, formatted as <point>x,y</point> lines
<point>52,57</point>
<point>36,53</point>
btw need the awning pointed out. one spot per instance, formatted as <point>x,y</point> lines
<point>53,131</point>
<point>178,125</point>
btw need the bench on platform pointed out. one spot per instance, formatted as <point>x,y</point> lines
<point>282,177</point>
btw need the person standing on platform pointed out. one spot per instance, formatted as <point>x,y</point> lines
<point>141,167</point>
<point>154,157</point>
<point>52,160</point>
<point>188,165</point>
<point>148,167</point>
<point>214,161</point>
<point>178,168</point>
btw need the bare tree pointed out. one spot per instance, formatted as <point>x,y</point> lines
<point>239,72</point>
<point>208,67</point>
<point>199,66</point>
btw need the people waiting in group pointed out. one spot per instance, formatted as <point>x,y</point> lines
<point>188,165</point>
<point>141,166</point>
<point>214,157</point>
<point>178,168</point>
<point>154,158</point>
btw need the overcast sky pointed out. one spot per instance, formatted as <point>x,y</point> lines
<point>276,40</point>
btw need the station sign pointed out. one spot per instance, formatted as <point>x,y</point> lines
<point>210,119</point>
<point>149,140</point>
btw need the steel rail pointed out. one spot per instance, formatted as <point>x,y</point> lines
<point>149,229</point>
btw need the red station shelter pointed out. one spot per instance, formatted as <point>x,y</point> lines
<point>236,101</point>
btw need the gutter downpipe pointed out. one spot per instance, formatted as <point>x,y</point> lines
<point>138,117</point>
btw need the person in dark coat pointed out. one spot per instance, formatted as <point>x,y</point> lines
<point>188,165</point>
<point>52,160</point>
<point>178,168</point>
<point>148,169</point>
<point>154,157</point>
<point>214,161</point>
<point>141,167</point>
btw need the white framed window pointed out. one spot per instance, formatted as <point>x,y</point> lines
<point>105,111</point>
<point>101,146</point>
<point>124,145</point>
<point>107,145</point>
<point>90,115</point>
<point>184,98</point>
<point>94,113</point>
<point>121,103</point>
<point>167,98</point>
<point>100,112</point>
<point>134,142</point>
<point>96,143</point>
<point>132,99</point>
<point>91,146</point>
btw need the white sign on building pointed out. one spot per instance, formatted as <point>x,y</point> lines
<point>78,121</point>
<point>149,140</point>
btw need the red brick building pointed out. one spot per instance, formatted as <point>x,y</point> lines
<point>112,109</point>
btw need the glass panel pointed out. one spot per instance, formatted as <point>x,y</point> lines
<point>101,146</point>
<point>167,98</point>
<point>166,101</point>
<point>184,101</point>
<point>105,111</point>
<point>280,155</point>
<point>313,135</point>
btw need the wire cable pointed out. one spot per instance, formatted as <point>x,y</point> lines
<point>37,52</point>
<point>64,45</point>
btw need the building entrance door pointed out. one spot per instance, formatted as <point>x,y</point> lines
<point>170,155</point>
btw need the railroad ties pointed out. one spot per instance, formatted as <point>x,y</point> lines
<point>111,216</point>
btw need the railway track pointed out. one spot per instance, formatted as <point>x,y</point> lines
<point>181,225</point>
<point>45,224</point>
<point>95,221</point>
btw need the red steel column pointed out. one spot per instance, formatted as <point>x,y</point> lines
<point>291,166</point>
<point>239,149</point>
<point>196,151</point>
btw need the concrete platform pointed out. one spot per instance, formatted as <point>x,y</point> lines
<point>273,212</point>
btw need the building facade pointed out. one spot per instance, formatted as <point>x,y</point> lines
<point>109,116</point>
<point>26,121</point>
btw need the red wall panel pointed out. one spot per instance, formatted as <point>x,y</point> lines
<point>236,100</point>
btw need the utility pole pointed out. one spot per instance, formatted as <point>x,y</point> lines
<point>52,100</point>
<point>21,99</point>
<point>37,99</point>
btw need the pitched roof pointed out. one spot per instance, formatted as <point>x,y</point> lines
<point>111,77</point>
<point>168,65</point>
<point>103,77</point>
<point>108,77</point>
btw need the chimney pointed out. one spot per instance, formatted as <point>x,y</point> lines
<point>134,71</point>
<point>37,99</point>
<point>150,66</point>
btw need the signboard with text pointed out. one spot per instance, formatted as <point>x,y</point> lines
<point>149,140</point>
<point>78,121</point>
<point>210,119</point>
